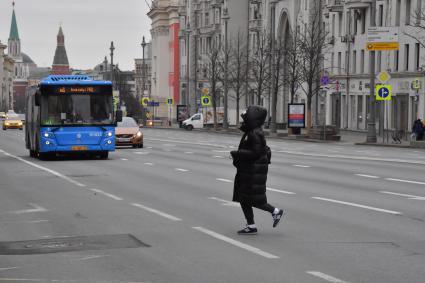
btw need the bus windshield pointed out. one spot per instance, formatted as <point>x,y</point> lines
<point>76,109</point>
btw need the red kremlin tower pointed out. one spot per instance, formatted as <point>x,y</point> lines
<point>60,62</point>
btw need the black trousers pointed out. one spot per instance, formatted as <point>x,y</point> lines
<point>249,213</point>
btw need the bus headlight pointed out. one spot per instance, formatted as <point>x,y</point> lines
<point>109,134</point>
<point>47,142</point>
<point>109,142</point>
<point>46,135</point>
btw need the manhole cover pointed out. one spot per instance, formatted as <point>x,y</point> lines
<point>69,244</point>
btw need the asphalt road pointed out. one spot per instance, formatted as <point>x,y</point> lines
<point>163,214</point>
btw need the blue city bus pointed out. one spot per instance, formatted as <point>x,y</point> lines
<point>70,114</point>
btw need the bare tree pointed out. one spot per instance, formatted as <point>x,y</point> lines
<point>237,71</point>
<point>312,44</point>
<point>293,76</point>
<point>417,29</point>
<point>213,72</point>
<point>259,65</point>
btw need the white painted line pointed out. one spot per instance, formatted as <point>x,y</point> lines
<point>280,191</point>
<point>405,181</point>
<point>217,156</point>
<point>224,180</point>
<point>148,163</point>
<point>302,166</point>
<point>325,277</point>
<point>36,208</point>
<point>141,152</point>
<point>106,194</point>
<point>90,257</point>
<point>367,176</point>
<point>403,195</point>
<point>221,151</point>
<point>181,170</point>
<point>186,142</point>
<point>226,202</point>
<point>188,152</point>
<point>149,147</point>
<point>58,280</point>
<point>353,157</point>
<point>359,205</point>
<point>26,222</point>
<point>57,174</point>
<point>124,159</point>
<point>8,268</point>
<point>160,213</point>
<point>236,243</point>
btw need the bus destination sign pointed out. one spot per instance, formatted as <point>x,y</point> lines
<point>77,89</point>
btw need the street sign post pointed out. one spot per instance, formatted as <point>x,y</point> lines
<point>384,77</point>
<point>383,92</point>
<point>382,38</point>
<point>145,101</point>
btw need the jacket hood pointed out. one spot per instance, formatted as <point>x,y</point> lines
<point>254,117</point>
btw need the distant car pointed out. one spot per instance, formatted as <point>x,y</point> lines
<point>128,133</point>
<point>12,121</point>
<point>2,115</point>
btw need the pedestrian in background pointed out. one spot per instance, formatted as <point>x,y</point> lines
<point>418,130</point>
<point>252,160</point>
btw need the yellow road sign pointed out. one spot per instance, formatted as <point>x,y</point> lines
<point>205,90</point>
<point>416,84</point>
<point>384,77</point>
<point>383,92</point>
<point>382,46</point>
<point>206,100</point>
<point>145,101</point>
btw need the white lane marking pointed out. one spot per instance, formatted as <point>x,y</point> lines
<point>217,156</point>
<point>26,222</point>
<point>188,152</point>
<point>405,181</point>
<point>8,268</point>
<point>185,142</point>
<point>106,194</point>
<point>59,281</point>
<point>236,243</point>
<point>57,174</point>
<point>225,202</point>
<point>403,195</point>
<point>302,166</point>
<point>359,205</point>
<point>149,147</point>
<point>160,213</point>
<point>221,151</point>
<point>181,170</point>
<point>353,157</point>
<point>367,176</point>
<point>148,163</point>
<point>35,208</point>
<point>124,159</point>
<point>90,257</point>
<point>141,152</point>
<point>224,180</point>
<point>280,191</point>
<point>325,277</point>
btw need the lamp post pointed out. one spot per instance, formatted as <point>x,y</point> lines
<point>187,100</point>
<point>112,48</point>
<point>226,18</point>
<point>143,44</point>
<point>273,128</point>
<point>371,130</point>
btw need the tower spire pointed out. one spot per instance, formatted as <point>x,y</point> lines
<point>60,61</point>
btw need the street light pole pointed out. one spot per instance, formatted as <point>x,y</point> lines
<point>371,130</point>
<point>226,18</point>
<point>273,126</point>
<point>112,48</point>
<point>143,79</point>
<point>187,100</point>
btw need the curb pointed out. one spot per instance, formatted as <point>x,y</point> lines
<point>385,145</point>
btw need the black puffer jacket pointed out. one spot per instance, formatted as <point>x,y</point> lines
<point>251,159</point>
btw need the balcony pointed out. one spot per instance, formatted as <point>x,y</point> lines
<point>335,6</point>
<point>358,4</point>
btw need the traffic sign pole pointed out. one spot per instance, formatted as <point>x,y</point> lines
<point>371,130</point>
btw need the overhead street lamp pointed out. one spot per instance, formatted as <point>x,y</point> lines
<point>226,18</point>
<point>143,44</point>
<point>112,48</point>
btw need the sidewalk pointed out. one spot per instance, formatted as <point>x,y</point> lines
<point>347,137</point>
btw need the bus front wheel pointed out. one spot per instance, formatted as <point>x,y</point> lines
<point>104,155</point>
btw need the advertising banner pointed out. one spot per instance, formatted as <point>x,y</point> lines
<point>296,115</point>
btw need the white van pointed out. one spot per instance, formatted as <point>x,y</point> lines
<point>194,122</point>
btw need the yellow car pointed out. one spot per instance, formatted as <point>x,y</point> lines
<point>13,122</point>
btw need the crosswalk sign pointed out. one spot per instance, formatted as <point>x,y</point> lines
<point>170,101</point>
<point>206,100</point>
<point>145,101</point>
<point>383,92</point>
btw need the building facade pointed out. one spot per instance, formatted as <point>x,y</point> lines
<point>348,63</point>
<point>6,79</point>
<point>165,82</point>
<point>143,73</point>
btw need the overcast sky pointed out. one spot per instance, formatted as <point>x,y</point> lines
<point>89,27</point>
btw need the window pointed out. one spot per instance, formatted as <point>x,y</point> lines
<point>354,68</point>
<point>332,62</point>
<point>339,24</point>
<point>406,57</point>
<point>417,55</point>
<point>207,19</point>
<point>418,8</point>
<point>397,11</point>
<point>408,8</point>
<point>363,20</point>
<point>396,59</point>
<point>339,63</point>
<point>347,61</point>
<point>333,25</point>
<point>381,15</point>
<point>362,62</point>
